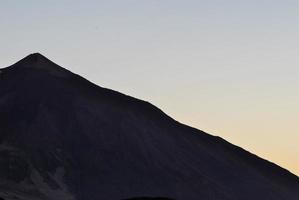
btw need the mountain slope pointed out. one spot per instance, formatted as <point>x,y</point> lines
<point>62,137</point>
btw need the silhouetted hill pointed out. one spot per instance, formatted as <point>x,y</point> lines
<point>62,137</point>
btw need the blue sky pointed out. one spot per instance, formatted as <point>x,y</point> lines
<point>227,67</point>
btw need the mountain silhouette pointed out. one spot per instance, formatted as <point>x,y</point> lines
<point>65,138</point>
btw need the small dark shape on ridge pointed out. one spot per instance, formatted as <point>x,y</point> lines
<point>149,198</point>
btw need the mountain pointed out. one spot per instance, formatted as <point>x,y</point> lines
<point>64,138</point>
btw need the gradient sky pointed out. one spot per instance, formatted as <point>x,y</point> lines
<point>230,68</point>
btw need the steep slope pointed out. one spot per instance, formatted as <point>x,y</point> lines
<point>62,137</point>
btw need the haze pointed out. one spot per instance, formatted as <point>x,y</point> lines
<point>229,68</point>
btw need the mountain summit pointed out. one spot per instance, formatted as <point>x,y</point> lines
<point>38,61</point>
<point>64,138</point>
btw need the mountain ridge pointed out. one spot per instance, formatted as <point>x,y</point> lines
<point>140,137</point>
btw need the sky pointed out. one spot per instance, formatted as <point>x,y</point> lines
<point>227,67</point>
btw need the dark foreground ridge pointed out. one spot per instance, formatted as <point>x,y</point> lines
<point>64,138</point>
<point>147,198</point>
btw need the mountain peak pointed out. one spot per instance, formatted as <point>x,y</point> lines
<point>34,59</point>
<point>40,62</point>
